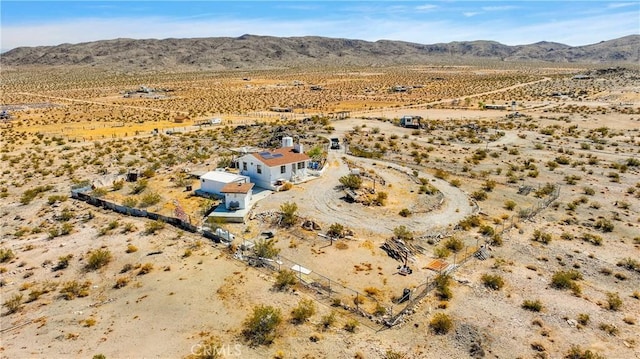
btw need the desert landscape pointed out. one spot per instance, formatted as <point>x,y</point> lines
<point>487,207</point>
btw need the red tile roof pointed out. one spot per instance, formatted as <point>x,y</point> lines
<point>237,188</point>
<point>280,156</point>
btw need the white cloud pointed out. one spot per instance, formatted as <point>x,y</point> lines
<point>426,7</point>
<point>470,13</point>
<point>499,8</point>
<point>621,4</point>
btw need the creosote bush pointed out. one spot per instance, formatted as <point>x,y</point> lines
<point>532,305</point>
<point>492,281</point>
<point>260,327</point>
<point>441,323</point>
<point>285,279</point>
<point>305,309</point>
<point>98,258</point>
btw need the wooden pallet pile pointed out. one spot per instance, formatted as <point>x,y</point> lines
<point>399,249</point>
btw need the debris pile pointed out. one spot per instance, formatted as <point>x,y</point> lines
<point>401,250</point>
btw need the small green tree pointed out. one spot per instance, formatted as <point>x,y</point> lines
<point>336,230</point>
<point>289,210</point>
<point>305,309</point>
<point>260,327</point>
<point>351,181</point>
<point>266,248</point>
<point>285,279</point>
<point>402,232</point>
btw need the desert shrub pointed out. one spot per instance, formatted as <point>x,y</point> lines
<point>532,305</point>
<point>443,292</point>
<point>405,212</point>
<point>441,323</point>
<point>266,248</point>
<point>285,279</point>
<point>351,181</point>
<point>305,309</point>
<point>351,325</point>
<point>121,282</point>
<point>63,262</point>
<point>454,244</point>
<point>441,252</point>
<point>153,227</point>
<point>402,232</point>
<point>486,230</point>
<point>6,254</point>
<point>30,194</point>
<point>149,199</point>
<point>489,185</point>
<point>630,264</point>
<point>288,210</point>
<point>128,227</point>
<point>496,240</point>
<point>381,198</point>
<point>594,239</point>
<point>56,198</point>
<point>336,230</point>
<point>468,222</point>
<point>613,301</point>
<point>588,191</point>
<point>609,329</point>
<point>98,258</point>
<point>479,195</point>
<point>72,289</point>
<point>492,281</point>
<point>328,320</point>
<point>130,202</point>
<point>541,237</point>
<point>604,225</point>
<point>261,325</point>
<point>14,303</point>
<point>145,269</point>
<point>575,352</point>
<point>510,205</point>
<point>140,186</point>
<point>131,248</point>
<point>566,280</point>
<point>441,174</point>
<point>583,318</point>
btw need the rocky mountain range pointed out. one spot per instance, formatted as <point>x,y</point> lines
<point>255,52</point>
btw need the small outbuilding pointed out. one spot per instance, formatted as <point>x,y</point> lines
<point>213,182</point>
<point>237,195</point>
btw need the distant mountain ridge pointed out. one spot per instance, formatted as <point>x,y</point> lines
<point>253,52</point>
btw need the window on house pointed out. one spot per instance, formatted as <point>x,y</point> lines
<point>244,166</point>
<point>283,169</point>
<point>259,169</point>
<point>300,165</point>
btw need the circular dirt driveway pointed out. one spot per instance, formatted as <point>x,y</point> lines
<point>321,200</point>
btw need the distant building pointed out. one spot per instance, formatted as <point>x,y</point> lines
<point>495,107</point>
<point>410,121</point>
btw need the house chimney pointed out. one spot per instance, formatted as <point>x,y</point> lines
<point>298,148</point>
<point>287,141</point>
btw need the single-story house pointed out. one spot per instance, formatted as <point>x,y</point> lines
<point>270,169</point>
<point>237,195</point>
<point>213,182</point>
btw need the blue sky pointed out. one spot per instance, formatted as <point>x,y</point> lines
<point>33,23</point>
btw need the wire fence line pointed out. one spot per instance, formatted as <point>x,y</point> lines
<point>324,289</point>
<point>425,288</point>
